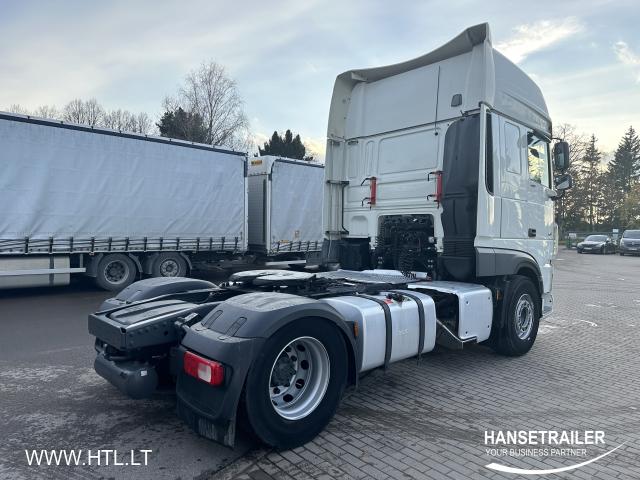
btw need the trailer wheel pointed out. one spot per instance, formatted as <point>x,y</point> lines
<point>295,384</point>
<point>169,265</point>
<point>522,317</point>
<point>115,272</point>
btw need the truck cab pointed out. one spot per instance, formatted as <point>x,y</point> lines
<point>442,164</point>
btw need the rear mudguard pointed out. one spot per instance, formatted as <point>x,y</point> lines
<point>233,334</point>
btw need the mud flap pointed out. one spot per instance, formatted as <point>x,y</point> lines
<point>223,432</point>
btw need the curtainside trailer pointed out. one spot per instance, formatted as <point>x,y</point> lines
<point>438,222</point>
<point>117,206</point>
<point>285,205</point>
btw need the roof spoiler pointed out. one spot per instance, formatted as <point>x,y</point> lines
<point>463,43</point>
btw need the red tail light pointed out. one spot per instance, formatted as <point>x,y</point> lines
<point>373,190</point>
<point>208,371</point>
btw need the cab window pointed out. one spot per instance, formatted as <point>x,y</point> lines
<point>538,156</point>
<point>512,147</point>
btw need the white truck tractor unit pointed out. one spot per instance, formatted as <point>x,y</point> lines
<point>438,224</point>
<point>116,206</point>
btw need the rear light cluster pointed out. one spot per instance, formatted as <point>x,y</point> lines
<point>208,371</point>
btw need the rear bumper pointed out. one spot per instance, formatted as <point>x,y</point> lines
<point>134,379</point>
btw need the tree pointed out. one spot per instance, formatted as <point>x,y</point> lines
<point>629,209</point>
<point>119,119</point>
<point>625,166</point>
<point>144,125</point>
<point>569,206</point>
<point>17,108</point>
<point>285,146</point>
<point>212,96</point>
<point>183,125</point>
<point>125,121</point>
<point>47,111</point>
<point>88,112</point>
<point>592,177</point>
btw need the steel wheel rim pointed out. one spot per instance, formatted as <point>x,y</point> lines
<point>524,316</point>
<point>299,378</point>
<point>116,272</point>
<point>169,268</point>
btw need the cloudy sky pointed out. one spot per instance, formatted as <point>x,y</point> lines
<point>585,55</point>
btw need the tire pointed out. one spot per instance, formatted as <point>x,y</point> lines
<point>115,272</point>
<point>579,251</point>
<point>169,264</point>
<point>622,254</point>
<point>522,314</point>
<point>602,251</point>
<point>295,421</point>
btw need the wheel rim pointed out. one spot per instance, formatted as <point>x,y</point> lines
<point>116,272</point>
<point>299,378</point>
<point>169,268</point>
<point>524,316</point>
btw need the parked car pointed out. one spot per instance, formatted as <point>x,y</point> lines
<point>630,243</point>
<point>597,244</point>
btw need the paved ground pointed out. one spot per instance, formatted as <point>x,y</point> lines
<point>424,420</point>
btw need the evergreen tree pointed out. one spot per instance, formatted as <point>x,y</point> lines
<point>285,146</point>
<point>625,166</point>
<point>183,125</point>
<point>592,181</point>
<point>622,176</point>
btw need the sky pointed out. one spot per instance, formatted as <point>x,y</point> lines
<point>285,55</point>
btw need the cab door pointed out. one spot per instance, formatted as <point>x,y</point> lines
<point>514,188</point>
<point>540,211</point>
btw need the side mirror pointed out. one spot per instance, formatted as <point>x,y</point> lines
<point>563,182</point>
<point>561,156</point>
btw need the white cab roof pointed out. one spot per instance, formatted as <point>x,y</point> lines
<point>372,101</point>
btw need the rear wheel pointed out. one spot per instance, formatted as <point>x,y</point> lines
<point>522,314</point>
<point>115,272</point>
<point>169,264</point>
<point>295,384</point>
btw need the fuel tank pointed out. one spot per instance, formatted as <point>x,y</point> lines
<point>392,325</point>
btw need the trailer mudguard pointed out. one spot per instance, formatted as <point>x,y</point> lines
<point>233,334</point>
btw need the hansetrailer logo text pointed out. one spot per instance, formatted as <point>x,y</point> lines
<point>514,444</point>
<point>79,457</point>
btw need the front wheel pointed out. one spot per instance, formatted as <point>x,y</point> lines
<point>522,314</point>
<point>295,384</point>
